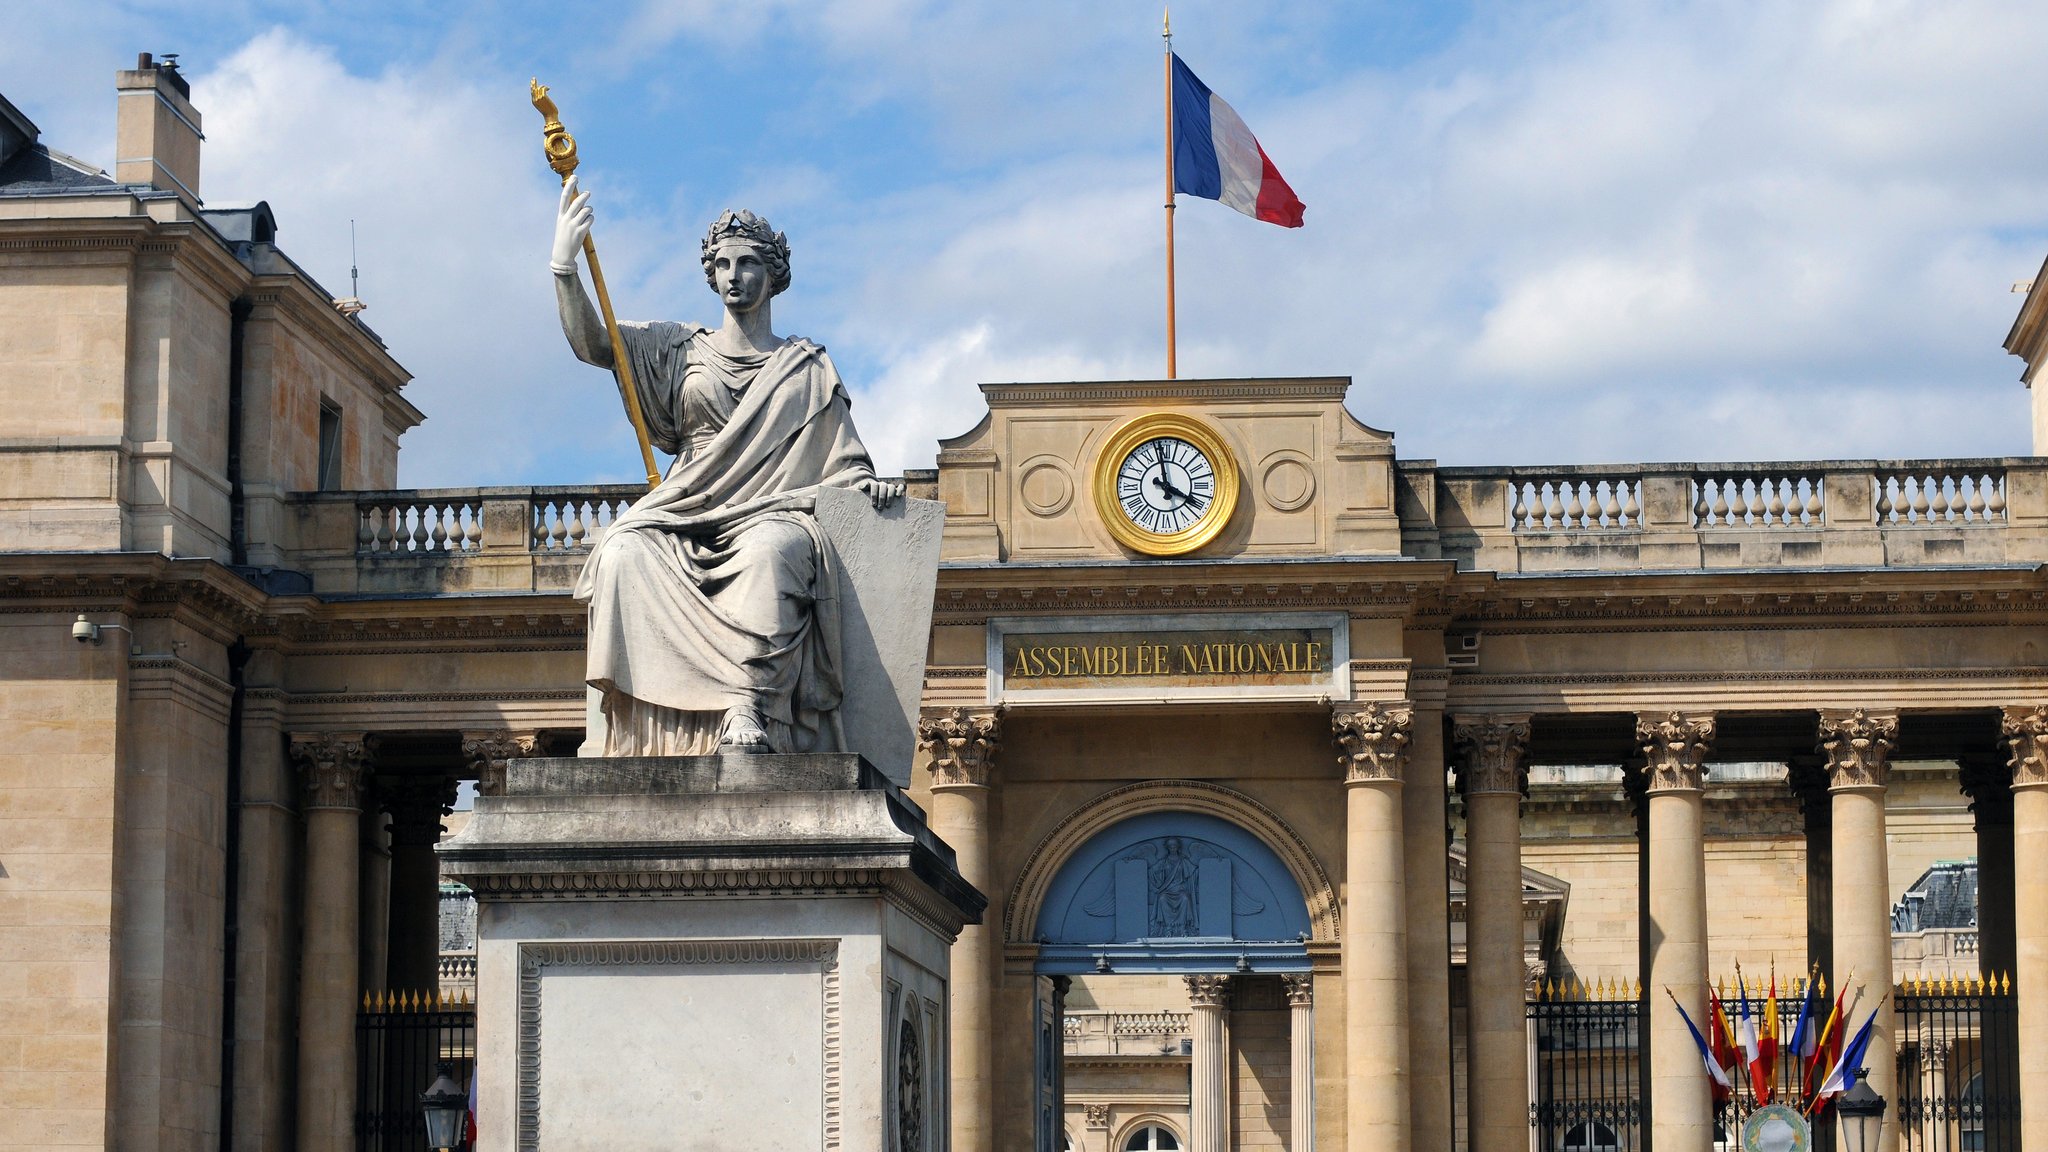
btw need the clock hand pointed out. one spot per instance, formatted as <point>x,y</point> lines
<point>1170,489</point>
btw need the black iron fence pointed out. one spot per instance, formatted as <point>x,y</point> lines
<point>1958,1070</point>
<point>402,1039</point>
<point>1957,1086</point>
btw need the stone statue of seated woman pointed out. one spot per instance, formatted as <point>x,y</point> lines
<point>713,600</point>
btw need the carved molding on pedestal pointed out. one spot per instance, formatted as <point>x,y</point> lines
<point>486,751</point>
<point>1372,739</point>
<point>1095,1115</point>
<point>2026,740</point>
<point>1209,991</point>
<point>331,767</point>
<point>1493,748</point>
<point>1858,747</point>
<point>962,744</point>
<point>1301,990</point>
<point>1675,747</point>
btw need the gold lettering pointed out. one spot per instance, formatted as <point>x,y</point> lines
<point>1265,658</point>
<point>1188,662</point>
<point>1315,657</point>
<point>1022,668</point>
<point>1139,669</point>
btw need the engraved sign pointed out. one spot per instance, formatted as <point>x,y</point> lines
<point>1159,658</point>
<point>1208,658</point>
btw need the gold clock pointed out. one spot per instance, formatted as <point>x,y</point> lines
<point>1165,484</point>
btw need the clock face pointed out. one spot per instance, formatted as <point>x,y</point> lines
<point>1165,485</point>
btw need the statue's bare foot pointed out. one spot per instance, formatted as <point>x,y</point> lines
<point>742,733</point>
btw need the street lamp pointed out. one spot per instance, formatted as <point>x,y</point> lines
<point>1862,1112</point>
<point>445,1106</point>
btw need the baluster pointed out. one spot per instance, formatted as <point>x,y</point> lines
<point>439,536</point>
<point>1518,516</point>
<point>575,523</point>
<point>1944,505</point>
<point>1631,512</point>
<point>1885,507</point>
<point>1553,507</point>
<point>472,524</point>
<point>1699,503</point>
<point>366,528</point>
<point>558,533</point>
<point>386,532</point>
<point>1610,507</point>
<point>1920,501</point>
<point>1574,512</point>
<point>1776,513</point>
<point>417,540</point>
<point>1995,503</point>
<point>1974,511</point>
<point>1720,502</point>
<point>1813,499</point>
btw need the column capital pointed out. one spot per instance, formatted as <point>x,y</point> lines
<point>486,750</point>
<point>1372,739</point>
<point>2025,730</point>
<point>1209,991</point>
<point>1858,746</point>
<point>416,805</point>
<point>1494,746</point>
<point>1301,990</point>
<point>962,743</point>
<point>331,767</point>
<point>1675,746</point>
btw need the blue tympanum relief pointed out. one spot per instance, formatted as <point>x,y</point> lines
<point>1171,876</point>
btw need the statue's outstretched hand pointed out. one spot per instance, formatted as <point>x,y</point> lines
<point>882,492</point>
<point>572,225</point>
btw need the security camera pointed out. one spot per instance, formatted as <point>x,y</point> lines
<point>85,631</point>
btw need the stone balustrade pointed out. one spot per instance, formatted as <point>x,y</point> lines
<point>1876,513</point>
<point>1089,1033</point>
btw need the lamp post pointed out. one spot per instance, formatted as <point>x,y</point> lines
<point>444,1106</point>
<point>1862,1113</point>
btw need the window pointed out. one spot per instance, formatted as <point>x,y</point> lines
<point>330,446</point>
<point>1592,1136</point>
<point>1152,1138</point>
<point>1970,1113</point>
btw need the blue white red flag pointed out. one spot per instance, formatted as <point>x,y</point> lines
<point>1722,1085</point>
<point>1842,1076</point>
<point>1807,1030</point>
<point>1217,158</point>
<point>469,1122</point>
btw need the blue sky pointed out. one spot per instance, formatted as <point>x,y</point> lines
<point>1568,232</point>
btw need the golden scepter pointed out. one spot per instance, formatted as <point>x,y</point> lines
<point>561,151</point>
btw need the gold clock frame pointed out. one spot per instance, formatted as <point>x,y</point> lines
<point>1184,427</point>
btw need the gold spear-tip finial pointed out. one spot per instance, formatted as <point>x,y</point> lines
<point>555,139</point>
<point>1166,21</point>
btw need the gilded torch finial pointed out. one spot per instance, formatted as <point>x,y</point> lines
<point>555,139</point>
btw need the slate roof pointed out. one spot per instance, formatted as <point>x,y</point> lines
<point>1945,896</point>
<point>41,170</point>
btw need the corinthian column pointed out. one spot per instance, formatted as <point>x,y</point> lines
<point>962,744</point>
<point>1856,746</point>
<point>1301,1067</point>
<point>1674,747</point>
<point>1496,1016</point>
<point>2026,738</point>
<point>486,751</point>
<point>415,805</point>
<point>1208,1082</point>
<point>1372,741</point>
<point>331,770</point>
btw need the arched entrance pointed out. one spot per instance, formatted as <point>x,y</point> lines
<point>1156,883</point>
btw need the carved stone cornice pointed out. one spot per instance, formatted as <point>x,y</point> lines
<point>1493,748</point>
<point>1209,991</point>
<point>331,767</point>
<point>1372,739</point>
<point>416,805</point>
<point>1858,746</point>
<point>2025,730</point>
<point>1675,747</point>
<point>486,750</point>
<point>1301,990</point>
<point>962,744</point>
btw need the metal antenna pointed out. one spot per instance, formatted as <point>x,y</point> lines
<point>352,288</point>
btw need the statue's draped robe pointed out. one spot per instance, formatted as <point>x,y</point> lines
<point>717,589</point>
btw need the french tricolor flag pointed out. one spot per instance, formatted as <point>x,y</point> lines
<point>1217,158</point>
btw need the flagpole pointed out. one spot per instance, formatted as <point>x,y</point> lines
<point>1166,33</point>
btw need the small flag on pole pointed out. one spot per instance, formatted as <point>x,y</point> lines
<point>1216,157</point>
<point>1723,1087</point>
<point>1842,1076</point>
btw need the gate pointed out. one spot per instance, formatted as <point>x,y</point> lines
<point>1958,1065</point>
<point>402,1039</point>
<point>1586,1067</point>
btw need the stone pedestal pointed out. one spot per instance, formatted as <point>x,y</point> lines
<point>706,952</point>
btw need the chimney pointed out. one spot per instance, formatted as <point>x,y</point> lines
<point>156,133</point>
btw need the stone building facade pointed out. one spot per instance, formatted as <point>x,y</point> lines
<point>1284,826</point>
